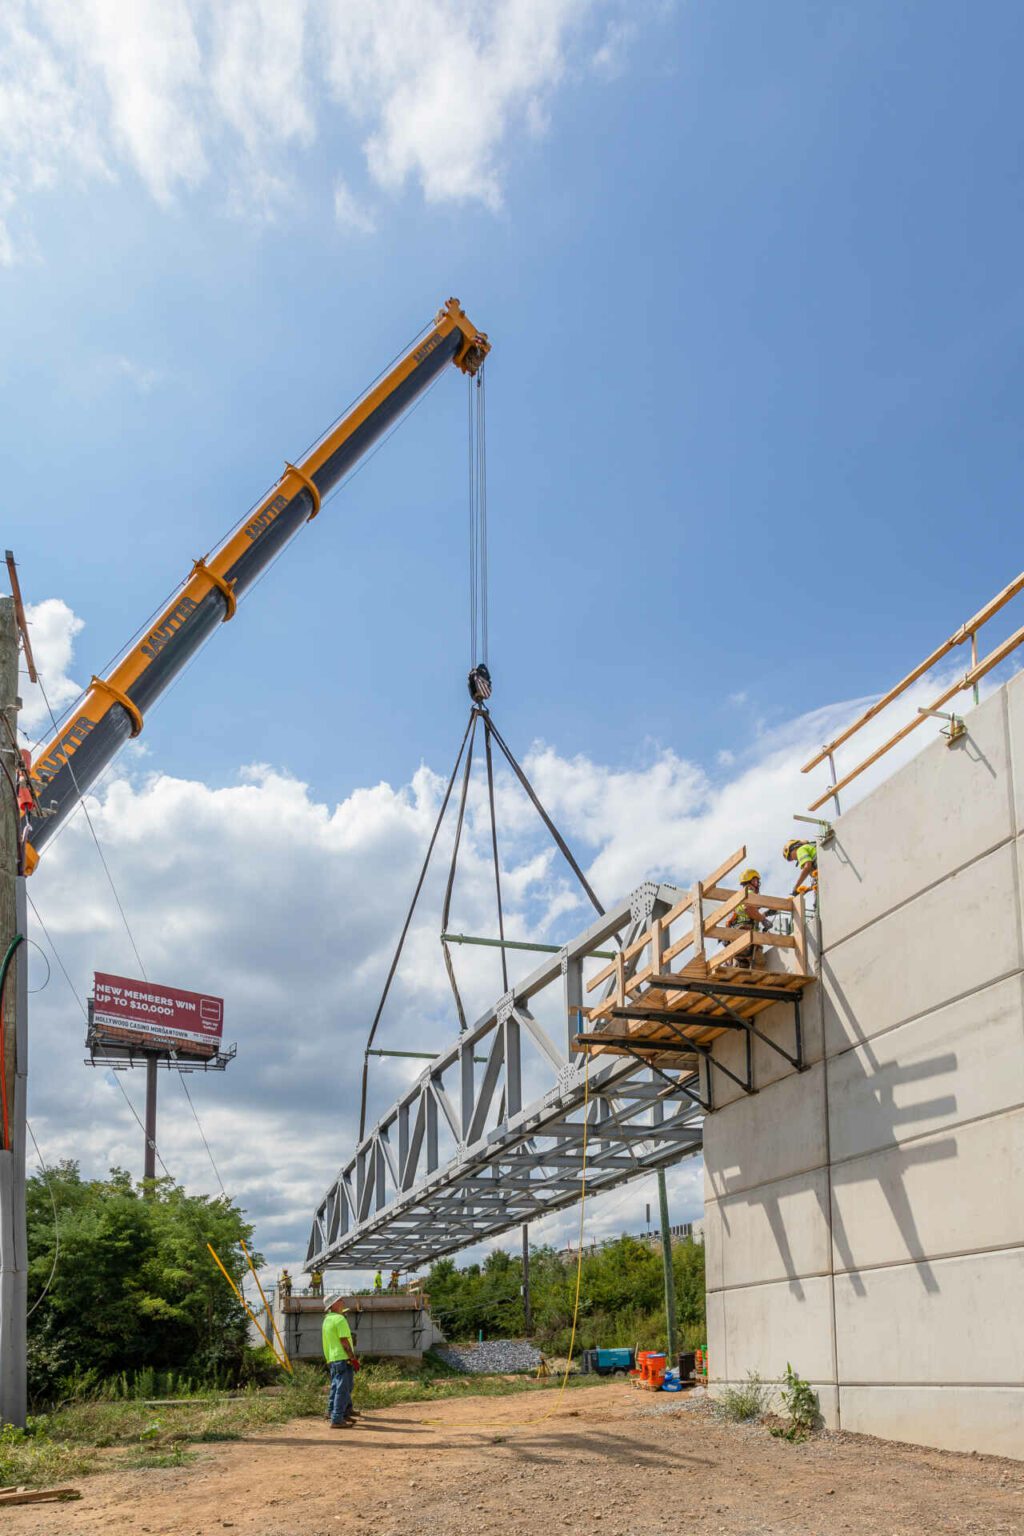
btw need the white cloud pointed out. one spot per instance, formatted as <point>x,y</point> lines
<point>350,214</point>
<point>144,379</point>
<point>182,92</point>
<point>290,908</point>
<point>52,628</point>
<point>444,83</point>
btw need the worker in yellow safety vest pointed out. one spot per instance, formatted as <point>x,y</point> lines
<point>805,856</point>
<point>340,1354</point>
<point>748,915</point>
<point>378,1282</point>
<point>316,1282</point>
<point>285,1282</point>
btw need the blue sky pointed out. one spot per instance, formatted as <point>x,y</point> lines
<point>752,278</point>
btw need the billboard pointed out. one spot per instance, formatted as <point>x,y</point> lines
<point>147,1015</point>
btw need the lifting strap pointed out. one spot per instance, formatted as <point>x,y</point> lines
<point>405,928</point>
<point>490,729</point>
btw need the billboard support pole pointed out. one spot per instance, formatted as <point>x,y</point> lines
<point>149,1171</point>
<point>14,1025</point>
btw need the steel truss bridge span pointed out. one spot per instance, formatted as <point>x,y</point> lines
<point>401,1201</point>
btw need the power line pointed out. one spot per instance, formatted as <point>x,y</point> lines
<point>56,1224</point>
<point>202,1133</point>
<point>92,829</point>
<point>85,1014</point>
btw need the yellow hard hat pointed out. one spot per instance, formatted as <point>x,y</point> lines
<point>791,847</point>
<point>749,876</point>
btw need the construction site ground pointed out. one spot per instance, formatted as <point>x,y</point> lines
<point>609,1459</point>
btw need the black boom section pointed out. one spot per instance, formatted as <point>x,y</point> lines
<point>177,642</point>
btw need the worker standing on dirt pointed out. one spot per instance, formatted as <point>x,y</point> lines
<point>748,915</point>
<point>339,1352</point>
<point>805,856</point>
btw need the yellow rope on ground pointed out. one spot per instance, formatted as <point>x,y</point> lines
<point>541,1418</point>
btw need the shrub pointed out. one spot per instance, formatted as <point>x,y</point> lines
<point>801,1403</point>
<point>741,1404</point>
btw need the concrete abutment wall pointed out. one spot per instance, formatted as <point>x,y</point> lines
<point>865,1218</point>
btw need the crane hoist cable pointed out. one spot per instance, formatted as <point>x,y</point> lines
<point>480,688</point>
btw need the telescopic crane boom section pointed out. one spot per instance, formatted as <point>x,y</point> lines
<point>113,708</point>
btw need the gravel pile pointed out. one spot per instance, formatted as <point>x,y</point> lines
<point>493,1356</point>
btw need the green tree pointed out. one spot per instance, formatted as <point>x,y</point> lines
<point>134,1286</point>
<point>621,1295</point>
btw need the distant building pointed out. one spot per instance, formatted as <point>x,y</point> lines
<point>682,1232</point>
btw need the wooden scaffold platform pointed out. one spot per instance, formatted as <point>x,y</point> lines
<point>667,997</point>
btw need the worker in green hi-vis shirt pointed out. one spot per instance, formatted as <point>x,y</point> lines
<point>341,1362</point>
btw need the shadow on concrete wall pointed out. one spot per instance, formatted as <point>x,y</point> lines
<point>880,1118</point>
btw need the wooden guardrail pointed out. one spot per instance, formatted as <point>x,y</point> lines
<point>970,679</point>
<point>685,929</point>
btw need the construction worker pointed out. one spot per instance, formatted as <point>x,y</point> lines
<point>748,915</point>
<point>285,1283</point>
<point>340,1354</point>
<point>805,856</point>
<point>393,1283</point>
<point>378,1283</point>
<point>316,1283</point>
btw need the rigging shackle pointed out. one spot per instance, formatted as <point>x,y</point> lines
<point>479,683</point>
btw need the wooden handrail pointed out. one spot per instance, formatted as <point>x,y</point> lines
<point>972,676</point>
<point>708,923</point>
<point>965,632</point>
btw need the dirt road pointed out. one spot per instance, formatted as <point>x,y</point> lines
<point>607,1461</point>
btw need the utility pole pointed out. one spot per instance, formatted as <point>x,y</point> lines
<point>527,1310</point>
<point>14,1027</point>
<point>670,1281</point>
<point>149,1166</point>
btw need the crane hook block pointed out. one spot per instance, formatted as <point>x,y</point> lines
<point>310,485</point>
<point>479,684</point>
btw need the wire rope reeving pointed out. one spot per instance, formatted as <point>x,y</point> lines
<point>405,926</point>
<point>471,488</point>
<point>481,492</point>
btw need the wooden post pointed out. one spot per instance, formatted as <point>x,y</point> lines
<point>697,898</point>
<point>670,1279</point>
<point>14,1023</point>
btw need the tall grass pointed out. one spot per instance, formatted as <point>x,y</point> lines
<point>145,1433</point>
